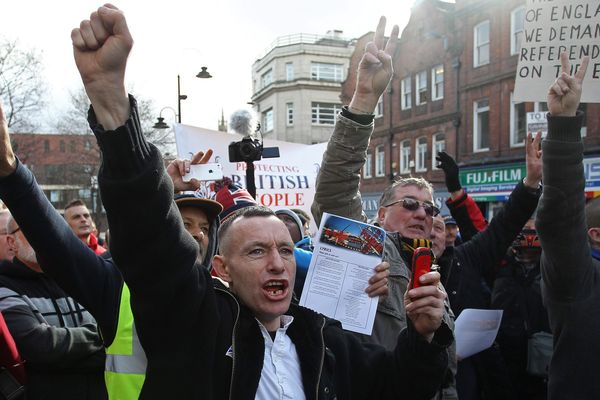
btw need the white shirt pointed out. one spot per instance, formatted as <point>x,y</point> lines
<point>280,378</point>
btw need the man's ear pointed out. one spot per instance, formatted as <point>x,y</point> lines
<point>381,215</point>
<point>10,240</point>
<point>220,265</point>
<point>594,235</point>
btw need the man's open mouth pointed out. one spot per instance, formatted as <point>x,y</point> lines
<point>276,288</point>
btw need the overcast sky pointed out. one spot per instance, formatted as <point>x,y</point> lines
<point>179,36</point>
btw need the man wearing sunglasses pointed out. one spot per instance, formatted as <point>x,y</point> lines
<point>406,212</point>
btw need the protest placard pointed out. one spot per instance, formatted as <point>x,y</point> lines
<point>537,122</point>
<point>284,182</point>
<point>552,27</point>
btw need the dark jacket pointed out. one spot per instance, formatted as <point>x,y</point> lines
<point>570,275</point>
<point>189,329</point>
<point>57,337</point>
<point>468,269</point>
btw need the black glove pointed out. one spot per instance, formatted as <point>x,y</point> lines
<point>450,168</point>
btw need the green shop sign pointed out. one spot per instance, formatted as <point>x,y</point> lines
<point>500,178</point>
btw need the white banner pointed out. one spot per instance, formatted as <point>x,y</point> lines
<point>284,182</point>
<point>551,27</point>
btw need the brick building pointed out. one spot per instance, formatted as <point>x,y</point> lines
<point>452,90</point>
<point>65,166</point>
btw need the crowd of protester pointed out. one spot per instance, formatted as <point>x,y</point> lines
<point>198,298</point>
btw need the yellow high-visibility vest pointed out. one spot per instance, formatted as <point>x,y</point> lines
<point>125,367</point>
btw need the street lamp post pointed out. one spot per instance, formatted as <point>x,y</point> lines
<point>203,74</point>
<point>160,124</point>
<point>179,98</point>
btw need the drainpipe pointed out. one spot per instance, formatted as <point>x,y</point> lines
<point>457,118</point>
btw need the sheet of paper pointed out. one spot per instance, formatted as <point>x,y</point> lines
<point>475,331</point>
<point>345,255</point>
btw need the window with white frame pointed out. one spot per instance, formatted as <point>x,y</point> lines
<point>406,93</point>
<point>518,123</point>
<point>379,108</point>
<point>324,113</point>
<point>421,154</point>
<point>481,125</point>
<point>517,27</point>
<point>481,44</point>
<point>405,157</point>
<point>438,145</point>
<point>367,168</point>
<point>268,120</point>
<point>267,78</point>
<point>289,112</point>
<point>379,161</point>
<point>327,72</point>
<point>421,84</point>
<point>437,82</point>
<point>55,196</point>
<point>289,71</point>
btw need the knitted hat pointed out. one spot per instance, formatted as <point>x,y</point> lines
<point>210,207</point>
<point>233,197</point>
<point>294,217</point>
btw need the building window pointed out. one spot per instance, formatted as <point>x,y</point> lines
<point>421,84</point>
<point>379,108</point>
<point>289,71</point>
<point>379,161</point>
<point>439,145</point>
<point>481,44</point>
<point>421,155</point>
<point>327,72</point>
<point>406,90</point>
<point>324,113</point>
<point>518,123</point>
<point>46,146</point>
<point>540,106</point>
<point>267,78</point>
<point>72,146</point>
<point>84,194</point>
<point>62,146</point>
<point>481,125</point>
<point>517,26</point>
<point>289,107</point>
<point>405,157</point>
<point>55,196</point>
<point>268,120</point>
<point>437,82</point>
<point>87,145</point>
<point>367,168</point>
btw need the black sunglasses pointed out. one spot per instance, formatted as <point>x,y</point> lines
<point>413,205</point>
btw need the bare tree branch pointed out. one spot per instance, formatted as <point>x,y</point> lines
<point>22,87</point>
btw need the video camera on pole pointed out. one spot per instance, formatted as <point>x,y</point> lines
<point>249,149</point>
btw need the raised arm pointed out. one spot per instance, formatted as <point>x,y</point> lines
<point>561,225</point>
<point>148,242</point>
<point>339,176</point>
<point>486,249</point>
<point>467,214</point>
<point>93,281</point>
